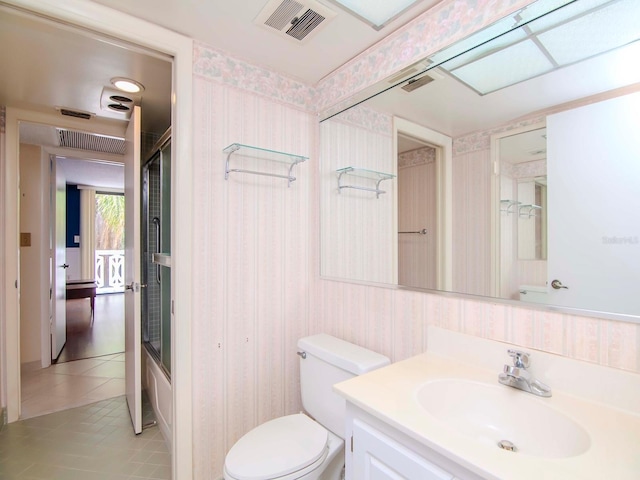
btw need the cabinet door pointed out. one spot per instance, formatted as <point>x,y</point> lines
<point>378,457</point>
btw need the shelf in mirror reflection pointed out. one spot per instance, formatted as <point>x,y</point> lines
<point>363,173</point>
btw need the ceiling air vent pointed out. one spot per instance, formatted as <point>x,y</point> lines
<point>294,19</point>
<point>117,103</point>
<point>416,83</point>
<point>408,72</point>
<point>92,142</point>
<point>68,112</point>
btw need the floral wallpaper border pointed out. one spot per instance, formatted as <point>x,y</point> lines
<point>367,118</point>
<point>216,65</point>
<point>438,27</point>
<point>481,140</point>
<point>419,156</point>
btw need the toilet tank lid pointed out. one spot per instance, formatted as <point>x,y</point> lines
<point>343,354</point>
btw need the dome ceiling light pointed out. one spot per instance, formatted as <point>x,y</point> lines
<point>127,85</point>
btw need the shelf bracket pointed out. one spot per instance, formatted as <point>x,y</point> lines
<point>261,153</point>
<point>378,177</point>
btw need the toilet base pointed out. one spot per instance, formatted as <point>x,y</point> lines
<point>334,462</point>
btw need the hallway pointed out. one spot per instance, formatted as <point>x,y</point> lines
<point>102,336</point>
<point>91,366</point>
<point>71,384</point>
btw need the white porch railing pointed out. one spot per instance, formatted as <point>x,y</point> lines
<point>110,270</point>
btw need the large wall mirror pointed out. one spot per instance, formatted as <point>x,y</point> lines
<point>506,165</point>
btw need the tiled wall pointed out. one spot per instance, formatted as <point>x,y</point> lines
<point>153,306</point>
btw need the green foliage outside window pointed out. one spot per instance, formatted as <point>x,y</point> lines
<point>109,222</point>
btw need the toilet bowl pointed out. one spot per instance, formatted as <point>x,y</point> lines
<point>298,447</point>
<point>287,448</point>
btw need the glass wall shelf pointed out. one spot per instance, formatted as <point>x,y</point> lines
<point>531,210</point>
<point>261,154</point>
<point>377,177</point>
<point>506,205</point>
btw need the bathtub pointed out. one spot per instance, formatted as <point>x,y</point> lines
<point>158,389</point>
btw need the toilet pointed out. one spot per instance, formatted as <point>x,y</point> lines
<point>309,445</point>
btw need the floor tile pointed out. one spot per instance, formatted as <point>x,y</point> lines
<point>111,369</point>
<point>74,445</point>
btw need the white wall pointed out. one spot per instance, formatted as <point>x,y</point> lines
<point>34,260</point>
<point>73,260</point>
<point>252,244</point>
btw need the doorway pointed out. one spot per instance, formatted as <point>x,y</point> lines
<point>424,206</point>
<point>91,16</point>
<point>97,138</point>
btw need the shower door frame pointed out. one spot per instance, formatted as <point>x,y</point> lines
<point>154,152</point>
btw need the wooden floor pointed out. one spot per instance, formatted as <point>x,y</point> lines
<point>103,336</point>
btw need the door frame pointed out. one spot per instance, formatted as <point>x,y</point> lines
<point>495,268</point>
<point>91,16</point>
<point>444,195</point>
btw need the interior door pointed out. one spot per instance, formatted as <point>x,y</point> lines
<point>133,345</point>
<point>595,250</point>
<point>59,317</point>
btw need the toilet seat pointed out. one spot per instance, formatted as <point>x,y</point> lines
<point>283,448</point>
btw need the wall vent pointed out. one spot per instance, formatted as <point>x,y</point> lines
<point>292,19</point>
<point>92,142</point>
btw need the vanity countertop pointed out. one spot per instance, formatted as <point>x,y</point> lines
<point>390,394</point>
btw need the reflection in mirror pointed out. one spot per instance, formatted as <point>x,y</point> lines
<point>526,178</point>
<point>417,224</point>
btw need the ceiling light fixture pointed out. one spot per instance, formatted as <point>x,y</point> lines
<point>127,85</point>
<point>378,13</point>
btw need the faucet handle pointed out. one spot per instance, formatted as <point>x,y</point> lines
<point>520,359</point>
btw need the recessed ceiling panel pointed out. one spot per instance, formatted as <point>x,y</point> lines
<point>594,33</point>
<point>519,62</point>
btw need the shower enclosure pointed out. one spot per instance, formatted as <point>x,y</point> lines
<point>156,253</point>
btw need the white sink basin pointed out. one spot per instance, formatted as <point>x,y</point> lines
<point>494,413</point>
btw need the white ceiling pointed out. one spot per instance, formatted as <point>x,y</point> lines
<point>228,25</point>
<point>57,66</point>
<point>93,173</point>
<point>448,106</point>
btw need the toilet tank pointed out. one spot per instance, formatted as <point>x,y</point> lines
<point>327,361</point>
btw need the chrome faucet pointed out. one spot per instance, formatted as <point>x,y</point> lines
<point>517,375</point>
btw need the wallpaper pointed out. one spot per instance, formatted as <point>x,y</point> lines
<point>257,285</point>
<point>251,294</point>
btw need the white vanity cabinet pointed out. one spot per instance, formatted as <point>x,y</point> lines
<point>377,451</point>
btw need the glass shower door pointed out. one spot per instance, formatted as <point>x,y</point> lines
<point>156,261</point>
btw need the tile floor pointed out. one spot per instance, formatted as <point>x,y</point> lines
<point>70,384</point>
<point>92,442</point>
